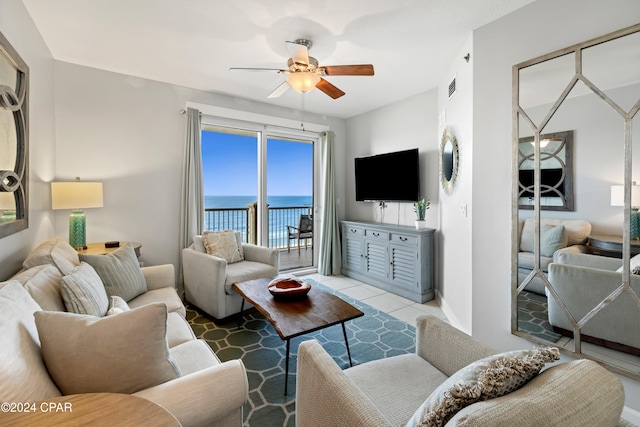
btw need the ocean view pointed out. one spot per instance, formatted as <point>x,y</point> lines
<point>283,211</point>
<point>243,201</point>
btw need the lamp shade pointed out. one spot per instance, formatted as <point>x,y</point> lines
<point>617,195</point>
<point>303,81</point>
<point>76,195</point>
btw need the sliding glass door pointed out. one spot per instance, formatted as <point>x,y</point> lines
<point>261,184</point>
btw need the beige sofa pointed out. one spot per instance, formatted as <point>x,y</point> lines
<point>387,392</point>
<point>576,233</point>
<point>200,391</point>
<point>208,279</point>
<point>582,281</point>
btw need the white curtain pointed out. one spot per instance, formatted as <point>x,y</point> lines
<point>192,197</point>
<point>330,259</point>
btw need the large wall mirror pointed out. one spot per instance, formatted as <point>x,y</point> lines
<point>567,290</point>
<point>14,158</point>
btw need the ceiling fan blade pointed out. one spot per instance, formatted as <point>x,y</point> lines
<point>259,69</point>
<point>329,89</point>
<point>279,90</point>
<point>348,70</point>
<point>299,53</point>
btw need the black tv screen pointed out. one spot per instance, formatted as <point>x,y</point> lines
<point>390,177</point>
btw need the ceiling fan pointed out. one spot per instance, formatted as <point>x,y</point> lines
<point>304,73</point>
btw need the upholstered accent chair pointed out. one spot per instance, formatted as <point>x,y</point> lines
<point>208,279</point>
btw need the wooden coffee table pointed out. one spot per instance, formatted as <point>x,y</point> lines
<point>290,319</point>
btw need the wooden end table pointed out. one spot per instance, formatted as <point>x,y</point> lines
<point>612,245</point>
<point>90,409</point>
<point>290,319</point>
<point>100,249</point>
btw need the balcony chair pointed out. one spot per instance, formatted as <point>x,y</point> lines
<point>208,278</point>
<point>304,230</point>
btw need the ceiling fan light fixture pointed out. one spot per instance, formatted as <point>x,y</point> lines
<point>303,81</point>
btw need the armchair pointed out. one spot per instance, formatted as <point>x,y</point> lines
<point>208,279</point>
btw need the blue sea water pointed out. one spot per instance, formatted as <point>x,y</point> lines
<point>243,201</point>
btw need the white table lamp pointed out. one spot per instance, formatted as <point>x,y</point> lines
<point>76,195</point>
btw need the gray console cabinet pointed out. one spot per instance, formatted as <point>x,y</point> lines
<point>396,258</point>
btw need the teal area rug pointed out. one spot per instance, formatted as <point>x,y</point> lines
<point>375,335</point>
<point>533,316</point>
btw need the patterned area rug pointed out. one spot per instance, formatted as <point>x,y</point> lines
<point>533,316</point>
<point>376,335</point>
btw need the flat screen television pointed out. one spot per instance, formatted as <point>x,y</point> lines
<point>389,177</point>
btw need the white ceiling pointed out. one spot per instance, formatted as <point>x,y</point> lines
<point>192,43</point>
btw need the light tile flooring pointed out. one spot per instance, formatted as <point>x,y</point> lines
<point>399,307</point>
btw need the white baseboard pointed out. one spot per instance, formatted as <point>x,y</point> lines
<point>631,415</point>
<point>453,321</point>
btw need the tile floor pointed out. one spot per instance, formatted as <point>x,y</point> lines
<point>399,307</point>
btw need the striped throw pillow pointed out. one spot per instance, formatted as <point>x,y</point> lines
<point>83,292</point>
<point>120,272</point>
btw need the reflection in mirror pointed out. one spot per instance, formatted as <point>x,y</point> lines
<point>449,158</point>
<point>574,285</point>
<point>556,171</point>
<point>14,157</point>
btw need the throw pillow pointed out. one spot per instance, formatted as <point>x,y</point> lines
<point>115,354</point>
<point>552,238</point>
<point>23,377</point>
<point>83,292</point>
<point>119,271</point>
<point>487,378</point>
<point>223,244</point>
<point>43,284</point>
<point>53,251</point>
<point>117,306</point>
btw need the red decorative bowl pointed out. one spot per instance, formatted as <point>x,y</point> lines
<point>287,288</point>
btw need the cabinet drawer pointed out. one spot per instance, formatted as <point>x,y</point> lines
<point>405,239</point>
<point>353,231</point>
<point>376,234</point>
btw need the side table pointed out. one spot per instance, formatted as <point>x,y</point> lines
<point>90,409</point>
<point>611,245</point>
<point>99,248</point>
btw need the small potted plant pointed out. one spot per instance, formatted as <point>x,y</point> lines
<point>420,208</point>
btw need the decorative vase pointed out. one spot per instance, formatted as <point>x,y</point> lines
<point>421,224</point>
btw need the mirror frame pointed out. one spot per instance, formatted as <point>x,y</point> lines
<point>16,181</point>
<point>519,113</point>
<point>448,137</point>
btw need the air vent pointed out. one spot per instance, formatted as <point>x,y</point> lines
<point>452,87</point>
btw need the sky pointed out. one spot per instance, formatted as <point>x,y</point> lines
<point>230,166</point>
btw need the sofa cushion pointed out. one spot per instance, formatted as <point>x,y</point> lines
<point>43,284</point>
<point>576,393</point>
<point>527,260</point>
<point>247,270</point>
<point>56,252</point>
<point>193,356</point>
<point>167,296</point>
<point>116,354</point>
<point>223,244</point>
<point>119,271</point>
<point>83,292</point>
<point>552,238</point>
<point>117,305</point>
<point>23,377</point>
<point>487,378</point>
<point>178,331</point>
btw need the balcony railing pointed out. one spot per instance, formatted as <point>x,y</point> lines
<point>244,220</point>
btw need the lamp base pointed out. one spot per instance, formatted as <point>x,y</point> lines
<point>77,229</point>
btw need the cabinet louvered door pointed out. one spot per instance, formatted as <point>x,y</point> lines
<point>376,259</point>
<point>353,256</point>
<point>404,267</point>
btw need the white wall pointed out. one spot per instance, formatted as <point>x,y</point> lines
<point>18,28</point>
<point>411,123</point>
<point>127,132</point>
<point>497,47</point>
<point>455,255</point>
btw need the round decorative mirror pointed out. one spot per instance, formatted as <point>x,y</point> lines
<point>448,160</point>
